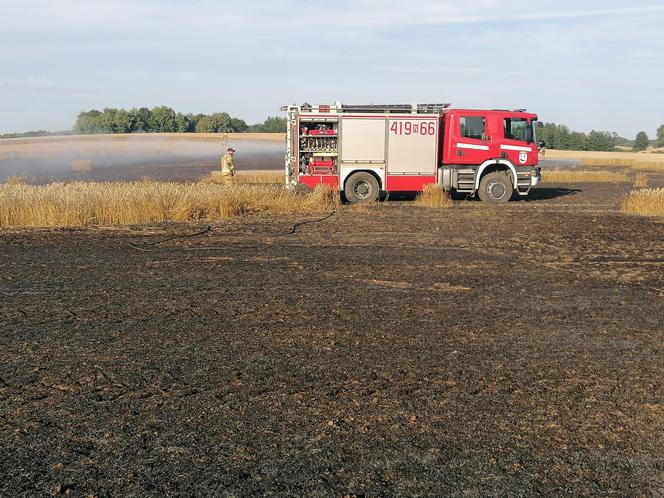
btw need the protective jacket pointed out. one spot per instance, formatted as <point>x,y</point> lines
<point>227,165</point>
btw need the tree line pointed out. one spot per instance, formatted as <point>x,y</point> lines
<point>561,137</point>
<point>164,119</point>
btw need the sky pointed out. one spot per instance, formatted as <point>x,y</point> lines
<point>591,65</point>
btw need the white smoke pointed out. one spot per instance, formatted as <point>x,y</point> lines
<point>113,158</point>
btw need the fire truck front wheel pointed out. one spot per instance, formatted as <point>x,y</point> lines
<point>361,187</point>
<point>496,187</point>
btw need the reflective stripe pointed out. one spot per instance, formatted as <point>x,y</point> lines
<point>472,146</point>
<point>516,147</point>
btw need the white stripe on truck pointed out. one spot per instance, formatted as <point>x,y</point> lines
<point>516,147</point>
<point>472,146</point>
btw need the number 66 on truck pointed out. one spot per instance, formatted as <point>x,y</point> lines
<point>368,150</point>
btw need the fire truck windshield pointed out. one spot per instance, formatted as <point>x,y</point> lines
<point>521,129</point>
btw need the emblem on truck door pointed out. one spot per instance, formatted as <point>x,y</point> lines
<point>523,157</point>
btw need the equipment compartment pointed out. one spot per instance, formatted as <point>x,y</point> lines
<point>318,147</point>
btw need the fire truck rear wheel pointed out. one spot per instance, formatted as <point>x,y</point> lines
<point>496,187</point>
<point>361,187</point>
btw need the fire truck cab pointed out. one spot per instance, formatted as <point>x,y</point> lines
<point>366,150</point>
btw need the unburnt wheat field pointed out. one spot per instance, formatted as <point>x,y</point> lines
<point>164,338</point>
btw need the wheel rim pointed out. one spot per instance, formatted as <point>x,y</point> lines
<point>362,189</point>
<point>496,189</point>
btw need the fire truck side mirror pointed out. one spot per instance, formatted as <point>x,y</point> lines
<point>540,124</point>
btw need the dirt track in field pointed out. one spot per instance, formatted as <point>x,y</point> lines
<point>397,351</point>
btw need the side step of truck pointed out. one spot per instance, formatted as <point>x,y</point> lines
<point>523,183</point>
<point>466,180</point>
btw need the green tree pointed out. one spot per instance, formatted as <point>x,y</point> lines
<point>204,125</point>
<point>88,122</point>
<point>142,119</point>
<point>219,122</point>
<point>602,140</point>
<point>238,125</point>
<point>183,123</point>
<point>576,141</point>
<point>547,134</point>
<point>273,124</point>
<point>193,120</point>
<point>561,138</point>
<point>163,120</point>
<point>107,120</point>
<point>660,137</point>
<point>641,142</point>
<point>123,122</point>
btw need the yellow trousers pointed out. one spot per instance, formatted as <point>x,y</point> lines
<point>227,178</point>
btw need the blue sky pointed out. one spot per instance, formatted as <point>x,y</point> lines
<point>591,65</point>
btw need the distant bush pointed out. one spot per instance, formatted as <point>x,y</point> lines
<point>39,133</point>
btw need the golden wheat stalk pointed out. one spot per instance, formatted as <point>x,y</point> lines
<point>640,180</point>
<point>645,202</point>
<point>433,196</point>
<point>127,203</point>
<point>583,176</point>
<point>247,177</point>
<point>643,162</point>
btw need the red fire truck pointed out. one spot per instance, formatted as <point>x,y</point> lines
<point>366,150</point>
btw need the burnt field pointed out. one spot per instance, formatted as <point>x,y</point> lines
<point>390,350</point>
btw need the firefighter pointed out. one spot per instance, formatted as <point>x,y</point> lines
<point>228,167</point>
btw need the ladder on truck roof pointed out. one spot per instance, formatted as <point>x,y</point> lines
<point>372,108</point>
<point>397,108</point>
